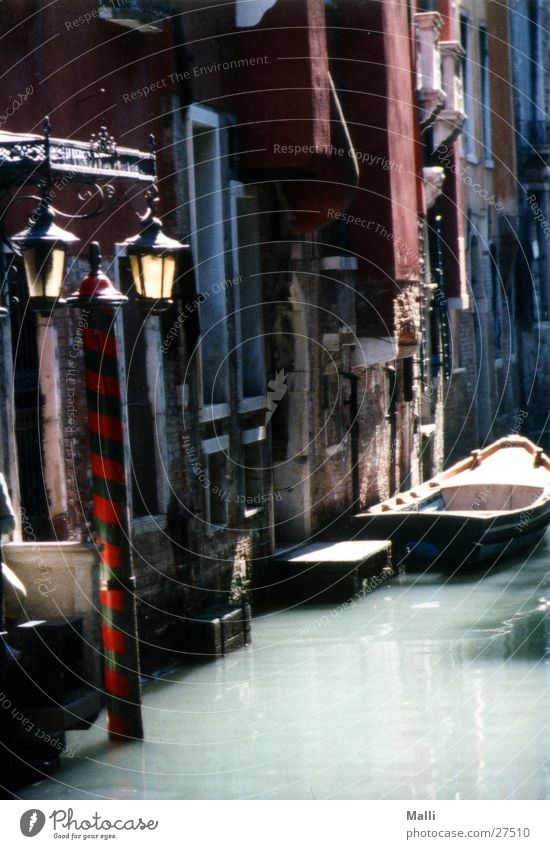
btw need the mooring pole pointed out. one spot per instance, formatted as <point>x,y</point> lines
<point>110,499</point>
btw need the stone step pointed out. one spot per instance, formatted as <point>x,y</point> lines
<point>362,557</point>
<point>217,631</point>
<point>328,571</point>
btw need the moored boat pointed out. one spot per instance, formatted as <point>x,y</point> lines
<point>486,507</point>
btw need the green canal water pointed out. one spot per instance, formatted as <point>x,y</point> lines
<point>428,688</point>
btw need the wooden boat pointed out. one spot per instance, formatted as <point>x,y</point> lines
<point>488,506</point>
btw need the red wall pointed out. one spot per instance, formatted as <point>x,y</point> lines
<point>67,65</point>
<point>402,139</point>
<point>373,41</point>
<point>280,95</point>
<point>285,102</point>
<point>449,30</point>
<point>288,126</point>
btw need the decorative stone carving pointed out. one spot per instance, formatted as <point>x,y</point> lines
<point>433,177</point>
<point>430,95</point>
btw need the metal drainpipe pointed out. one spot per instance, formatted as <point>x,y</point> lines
<point>392,419</point>
<point>354,433</point>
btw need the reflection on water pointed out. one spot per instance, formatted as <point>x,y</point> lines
<point>428,688</point>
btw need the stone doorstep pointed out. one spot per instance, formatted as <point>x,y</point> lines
<point>364,558</point>
<point>61,577</point>
<point>217,631</point>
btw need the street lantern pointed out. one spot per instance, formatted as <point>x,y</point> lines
<point>44,248</point>
<point>153,256</point>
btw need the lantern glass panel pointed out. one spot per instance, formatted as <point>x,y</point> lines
<point>45,268</point>
<point>168,276</point>
<point>137,277</point>
<point>153,275</point>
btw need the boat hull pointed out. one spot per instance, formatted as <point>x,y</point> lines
<point>486,507</point>
<point>450,540</point>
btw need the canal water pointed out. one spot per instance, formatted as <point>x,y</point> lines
<point>426,688</point>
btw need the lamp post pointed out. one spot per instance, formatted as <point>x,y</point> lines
<point>44,247</point>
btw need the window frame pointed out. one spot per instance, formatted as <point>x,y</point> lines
<point>256,437</point>
<point>218,445</point>
<point>199,116</point>
<point>468,135</point>
<point>256,400</point>
<point>485,89</point>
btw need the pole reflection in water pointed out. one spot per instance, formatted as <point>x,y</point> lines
<point>427,688</point>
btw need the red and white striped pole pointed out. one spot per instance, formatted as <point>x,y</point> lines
<point>111,516</point>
